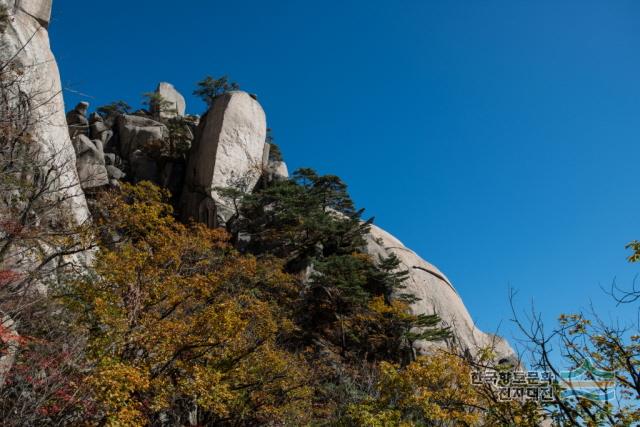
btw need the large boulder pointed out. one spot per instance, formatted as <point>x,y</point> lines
<point>140,133</point>
<point>277,169</point>
<point>77,120</point>
<point>90,162</point>
<point>437,295</point>
<point>176,105</point>
<point>227,152</point>
<point>115,173</point>
<point>26,41</point>
<point>99,130</point>
<point>273,165</point>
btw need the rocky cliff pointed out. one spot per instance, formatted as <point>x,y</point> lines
<point>31,108</point>
<point>192,157</point>
<point>25,42</point>
<point>437,295</point>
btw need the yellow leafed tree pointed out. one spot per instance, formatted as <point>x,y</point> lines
<point>181,326</point>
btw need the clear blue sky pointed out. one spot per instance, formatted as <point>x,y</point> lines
<point>498,139</point>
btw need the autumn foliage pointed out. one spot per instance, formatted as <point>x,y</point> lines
<point>181,326</point>
<point>177,324</point>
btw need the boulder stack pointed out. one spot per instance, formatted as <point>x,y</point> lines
<point>90,163</point>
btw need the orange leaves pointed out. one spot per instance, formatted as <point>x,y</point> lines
<point>431,390</point>
<point>138,211</point>
<point>116,386</point>
<point>178,315</point>
<point>396,308</point>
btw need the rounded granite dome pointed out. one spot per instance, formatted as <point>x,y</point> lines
<point>437,295</point>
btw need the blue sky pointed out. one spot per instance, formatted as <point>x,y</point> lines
<point>498,139</point>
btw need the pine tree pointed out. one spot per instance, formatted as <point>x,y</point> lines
<point>210,88</point>
<point>303,218</point>
<point>113,109</point>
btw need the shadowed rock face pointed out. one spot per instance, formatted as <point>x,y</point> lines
<point>437,295</point>
<point>27,38</point>
<point>228,152</point>
<point>137,133</point>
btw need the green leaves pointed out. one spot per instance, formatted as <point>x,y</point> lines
<point>304,218</point>
<point>177,318</point>
<point>328,191</point>
<point>209,88</point>
<point>310,221</point>
<point>429,329</point>
<point>158,104</point>
<point>113,109</point>
<point>388,278</point>
<point>342,281</point>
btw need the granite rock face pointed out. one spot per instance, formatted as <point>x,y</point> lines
<point>227,152</point>
<point>99,130</point>
<point>437,295</point>
<point>175,101</point>
<point>274,166</point>
<point>139,133</point>
<point>90,163</point>
<point>37,9</point>
<point>27,40</point>
<point>278,169</point>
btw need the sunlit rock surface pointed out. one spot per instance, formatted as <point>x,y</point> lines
<point>437,295</point>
